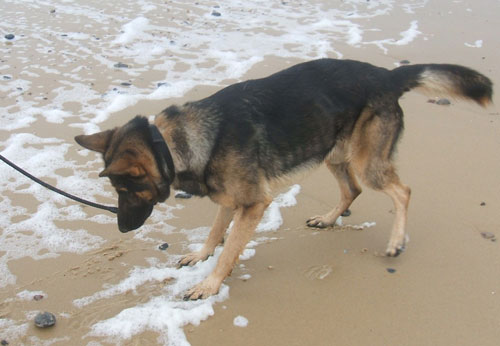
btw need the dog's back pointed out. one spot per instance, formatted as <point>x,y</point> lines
<point>296,116</point>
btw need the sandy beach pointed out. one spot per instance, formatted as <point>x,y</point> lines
<point>60,76</point>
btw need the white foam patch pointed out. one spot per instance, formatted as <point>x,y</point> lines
<point>133,30</point>
<point>476,44</point>
<point>10,329</point>
<point>240,321</point>
<point>407,36</point>
<point>28,295</point>
<point>272,218</point>
<point>165,314</point>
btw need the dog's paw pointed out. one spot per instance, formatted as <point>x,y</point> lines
<point>192,258</point>
<point>320,221</point>
<point>203,290</point>
<point>394,250</point>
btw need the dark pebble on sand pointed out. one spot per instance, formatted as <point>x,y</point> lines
<point>184,195</point>
<point>9,36</point>
<point>443,102</point>
<point>216,14</point>
<point>163,246</point>
<point>126,84</point>
<point>45,320</point>
<point>121,65</point>
<point>4,342</point>
<point>162,84</point>
<point>52,11</point>
<point>488,235</point>
<point>346,213</point>
<point>404,62</point>
<point>7,77</point>
<point>483,204</point>
<point>38,297</point>
<point>391,270</point>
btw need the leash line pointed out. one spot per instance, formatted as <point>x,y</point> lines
<point>55,189</point>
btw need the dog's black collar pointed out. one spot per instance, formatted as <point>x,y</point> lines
<point>162,155</point>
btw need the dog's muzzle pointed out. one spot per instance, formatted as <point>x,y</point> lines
<point>130,216</point>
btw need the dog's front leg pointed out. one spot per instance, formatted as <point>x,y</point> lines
<point>222,220</point>
<point>246,220</point>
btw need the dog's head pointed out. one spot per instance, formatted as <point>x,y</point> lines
<point>131,166</point>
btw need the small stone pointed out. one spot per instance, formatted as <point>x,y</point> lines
<point>52,11</point>
<point>38,297</point>
<point>483,204</point>
<point>4,342</point>
<point>391,270</point>
<point>443,102</point>
<point>45,320</point>
<point>183,195</point>
<point>404,62</point>
<point>363,250</point>
<point>487,235</point>
<point>346,213</point>
<point>270,267</point>
<point>162,84</point>
<point>9,36</point>
<point>120,65</point>
<point>163,246</point>
<point>7,77</point>
<point>126,84</point>
<point>216,14</point>
<point>431,101</point>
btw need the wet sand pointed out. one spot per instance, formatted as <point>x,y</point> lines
<point>329,287</point>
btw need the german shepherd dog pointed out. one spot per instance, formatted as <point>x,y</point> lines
<point>234,145</point>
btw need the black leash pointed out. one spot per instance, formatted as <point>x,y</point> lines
<point>50,187</point>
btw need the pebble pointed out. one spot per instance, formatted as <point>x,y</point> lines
<point>163,246</point>
<point>45,320</point>
<point>126,84</point>
<point>38,297</point>
<point>9,36</point>
<point>346,213</point>
<point>488,235</point>
<point>443,102</point>
<point>404,62</point>
<point>391,270</point>
<point>120,65</point>
<point>483,204</point>
<point>184,195</point>
<point>216,14</point>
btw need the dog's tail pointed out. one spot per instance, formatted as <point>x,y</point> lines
<point>453,80</point>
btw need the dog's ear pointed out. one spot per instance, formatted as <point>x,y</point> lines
<point>122,167</point>
<point>97,142</point>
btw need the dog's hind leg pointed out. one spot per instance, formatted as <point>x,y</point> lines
<point>374,144</point>
<point>349,190</point>
<point>246,220</point>
<point>222,220</point>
